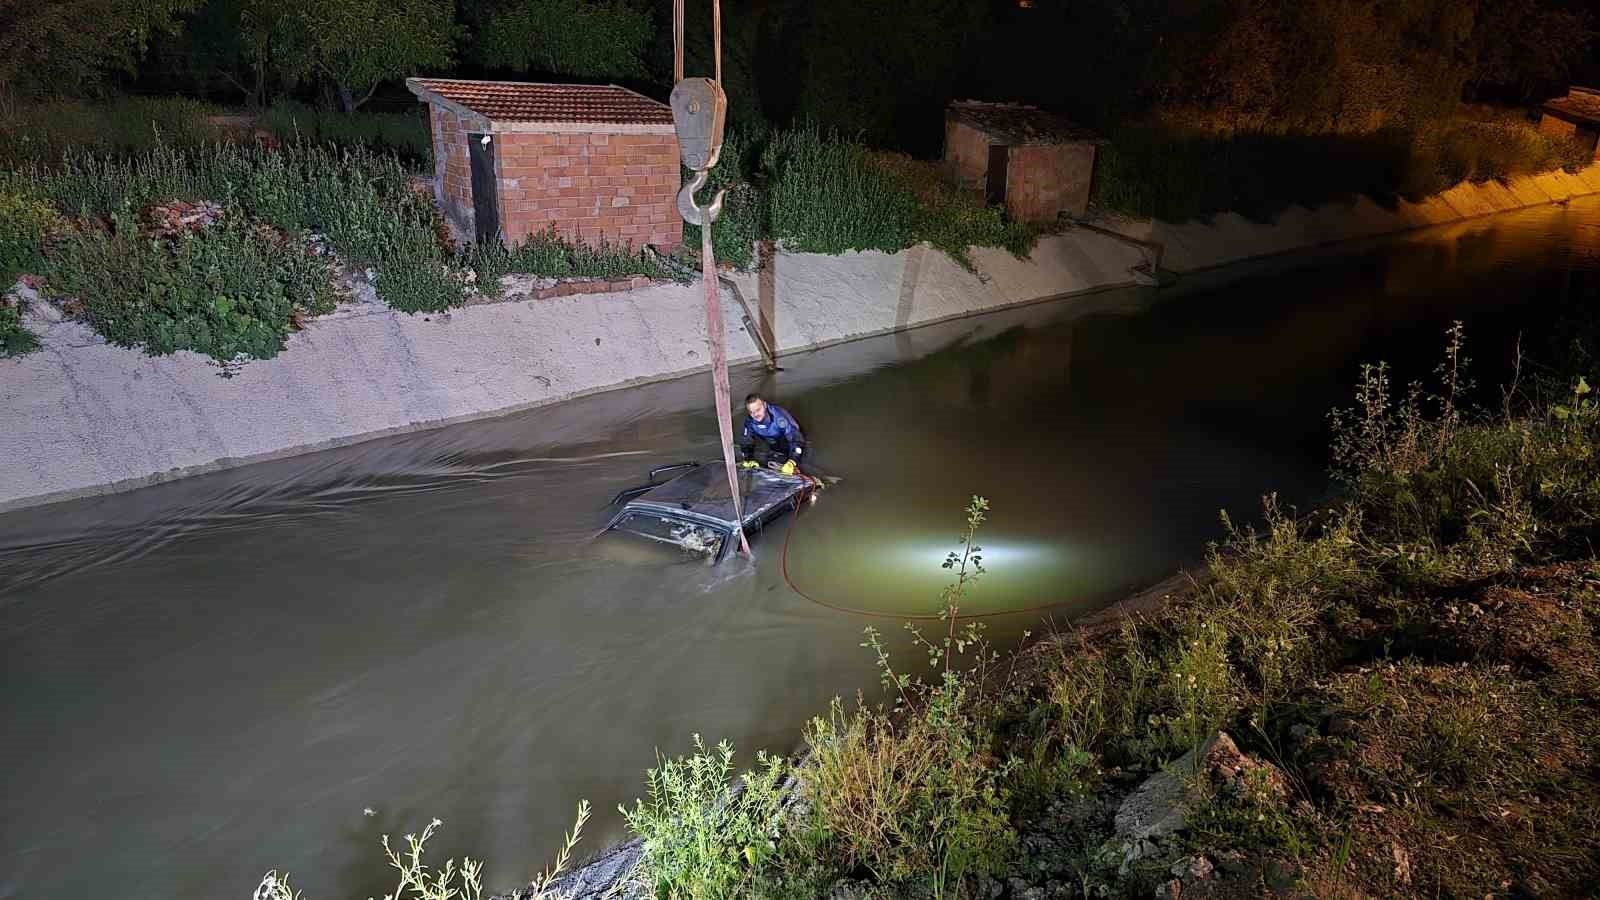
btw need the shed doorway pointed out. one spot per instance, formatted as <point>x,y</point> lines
<point>485,207</point>
<point>995,190</point>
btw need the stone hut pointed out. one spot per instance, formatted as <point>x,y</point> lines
<point>1575,116</point>
<point>1035,163</point>
<point>596,163</point>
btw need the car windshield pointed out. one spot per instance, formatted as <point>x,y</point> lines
<point>691,537</point>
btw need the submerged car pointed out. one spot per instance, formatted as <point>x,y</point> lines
<point>693,510</point>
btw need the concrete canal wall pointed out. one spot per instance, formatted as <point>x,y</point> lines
<point>82,417</point>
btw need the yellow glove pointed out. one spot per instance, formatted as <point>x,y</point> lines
<point>788,468</point>
<point>749,464</point>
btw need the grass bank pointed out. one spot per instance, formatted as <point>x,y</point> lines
<point>234,245</point>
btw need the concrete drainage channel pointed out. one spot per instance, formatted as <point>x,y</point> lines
<point>86,418</point>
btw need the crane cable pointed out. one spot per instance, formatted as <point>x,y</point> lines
<point>708,262</point>
<point>719,366</point>
<point>677,40</point>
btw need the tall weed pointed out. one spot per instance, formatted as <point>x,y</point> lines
<point>25,222</point>
<point>361,200</point>
<point>703,838</point>
<point>120,127</point>
<point>545,254</point>
<point>403,134</point>
<point>822,193</point>
<point>920,792</point>
<point>1271,589</point>
<point>452,881</point>
<point>1445,493</point>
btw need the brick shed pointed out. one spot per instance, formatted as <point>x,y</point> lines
<point>594,162</point>
<point>1575,116</point>
<point>1034,163</point>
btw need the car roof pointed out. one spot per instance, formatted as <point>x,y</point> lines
<point>702,494</point>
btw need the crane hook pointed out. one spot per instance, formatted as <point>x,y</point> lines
<point>690,209</point>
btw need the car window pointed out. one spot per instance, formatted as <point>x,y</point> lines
<point>691,537</point>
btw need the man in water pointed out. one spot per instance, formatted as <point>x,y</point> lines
<point>776,428</point>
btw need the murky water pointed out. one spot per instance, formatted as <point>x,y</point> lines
<point>211,678</point>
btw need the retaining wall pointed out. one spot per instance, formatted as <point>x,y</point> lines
<point>81,417</point>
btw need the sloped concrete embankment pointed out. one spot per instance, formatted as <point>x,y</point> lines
<point>82,417</point>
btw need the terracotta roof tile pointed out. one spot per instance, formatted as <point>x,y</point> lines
<point>515,101</point>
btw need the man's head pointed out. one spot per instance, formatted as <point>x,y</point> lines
<point>756,406</point>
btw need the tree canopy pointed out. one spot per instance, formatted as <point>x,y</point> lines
<point>584,38</point>
<point>881,70</point>
<point>356,44</point>
<point>69,46</point>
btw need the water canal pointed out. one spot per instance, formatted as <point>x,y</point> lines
<point>270,667</point>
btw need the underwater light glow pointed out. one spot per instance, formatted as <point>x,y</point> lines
<point>994,554</point>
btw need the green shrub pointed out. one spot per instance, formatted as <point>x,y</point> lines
<point>363,201</point>
<point>919,799</point>
<point>546,255</point>
<point>1100,699</point>
<point>947,218</point>
<point>24,223</point>
<point>232,290</point>
<point>816,193</point>
<point>825,195</point>
<point>703,839</point>
<point>1272,589</point>
<point>743,222</point>
<point>14,339</point>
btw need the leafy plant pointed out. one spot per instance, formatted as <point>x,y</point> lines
<point>15,340</point>
<point>704,838</point>
<point>231,290</point>
<point>24,223</point>
<point>821,193</point>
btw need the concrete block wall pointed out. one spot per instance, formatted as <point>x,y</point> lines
<point>966,153</point>
<point>452,168</point>
<point>590,187</point>
<point>1557,127</point>
<point>1043,181</point>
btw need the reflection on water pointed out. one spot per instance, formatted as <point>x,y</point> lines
<point>214,677</point>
